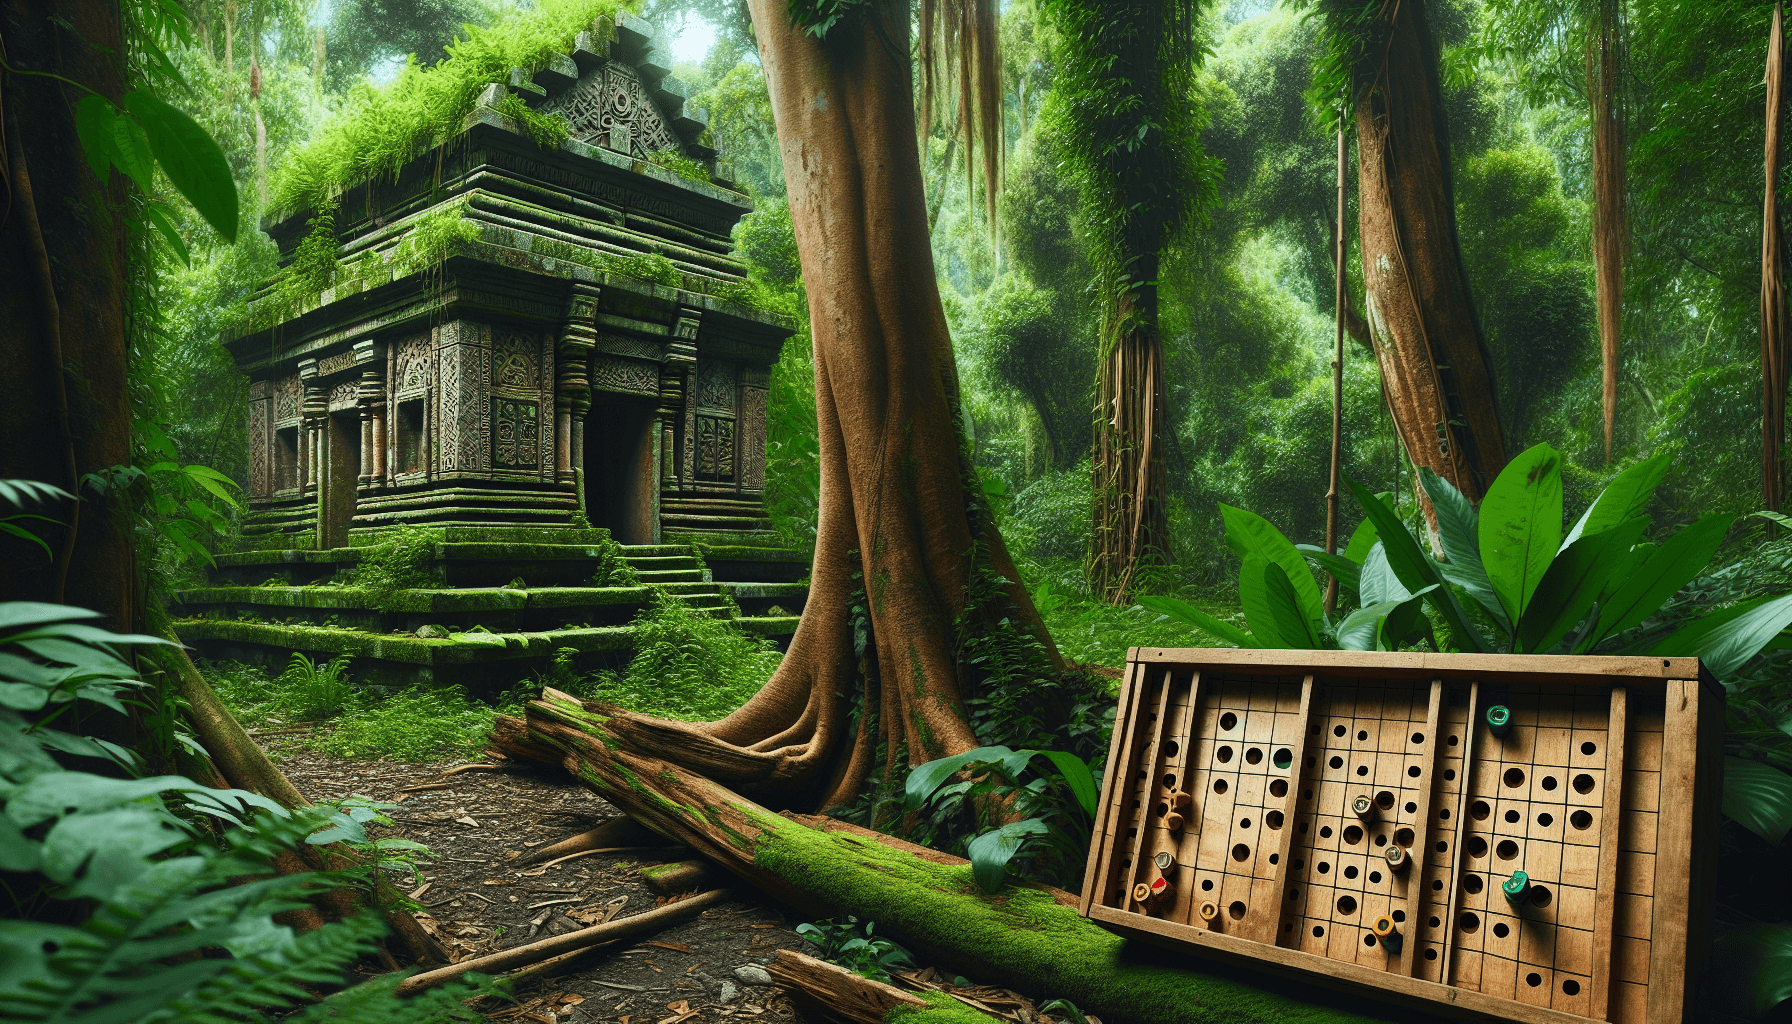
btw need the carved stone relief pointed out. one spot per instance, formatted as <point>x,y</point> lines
<point>259,484</point>
<point>715,448</point>
<point>289,399</point>
<point>609,373</point>
<point>342,396</point>
<point>609,99</point>
<point>517,358</point>
<point>715,385</point>
<point>336,363</point>
<point>518,435</point>
<point>414,370</point>
<point>465,431</point>
<point>752,440</point>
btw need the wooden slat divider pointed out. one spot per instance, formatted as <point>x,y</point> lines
<point>1120,756</point>
<point>1460,815</point>
<point>1673,906</point>
<point>1610,849</point>
<point>1421,829</point>
<point>1268,923</point>
<point>1154,751</point>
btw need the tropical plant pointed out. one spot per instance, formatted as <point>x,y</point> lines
<point>158,893</point>
<point>856,947</point>
<point>20,493</point>
<point>1053,813</point>
<point>314,691</point>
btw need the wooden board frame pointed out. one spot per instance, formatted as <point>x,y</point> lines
<point>1639,745</point>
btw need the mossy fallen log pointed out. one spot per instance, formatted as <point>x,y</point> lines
<point>1022,938</point>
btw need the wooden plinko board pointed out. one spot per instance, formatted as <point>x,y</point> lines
<point>1361,818</point>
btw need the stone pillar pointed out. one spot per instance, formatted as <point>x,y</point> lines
<point>316,411</point>
<point>681,364</point>
<point>572,388</point>
<point>370,400</point>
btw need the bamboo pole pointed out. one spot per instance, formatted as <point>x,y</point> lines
<point>1331,495</point>
<point>1773,300</point>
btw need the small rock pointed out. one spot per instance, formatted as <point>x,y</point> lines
<point>753,974</point>
<point>730,993</point>
<point>432,632</point>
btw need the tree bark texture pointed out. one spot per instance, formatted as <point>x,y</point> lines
<point>1030,939</point>
<point>64,408</point>
<point>1611,236</point>
<point>1776,356</point>
<point>1428,341</point>
<point>1132,526</point>
<point>896,523</point>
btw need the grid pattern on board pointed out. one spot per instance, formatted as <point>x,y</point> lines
<point>1635,885</point>
<point>1366,739</point>
<point>1535,803</point>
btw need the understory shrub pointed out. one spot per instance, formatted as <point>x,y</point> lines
<point>687,665</point>
<point>402,559</point>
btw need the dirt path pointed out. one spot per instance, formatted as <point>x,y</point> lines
<point>705,969</point>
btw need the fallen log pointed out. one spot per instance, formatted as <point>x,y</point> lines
<point>1020,938</point>
<point>522,956</point>
<point>823,992</point>
<point>622,831</point>
<point>679,876</point>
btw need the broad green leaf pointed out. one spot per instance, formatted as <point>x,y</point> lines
<point>1625,498</point>
<point>1362,628</point>
<point>1574,581</point>
<point>930,776</point>
<point>1379,582</point>
<point>158,218</point>
<point>193,162</point>
<point>110,138</point>
<point>1182,611</point>
<point>991,851</point>
<point>1075,772</point>
<point>102,851</point>
<point>1340,568</point>
<point>17,853</point>
<point>1725,641</point>
<point>1521,526</point>
<point>1459,527</point>
<point>1759,797</point>
<point>1775,518</point>
<point>1660,576</point>
<point>1416,570</point>
<point>1248,533</point>
<point>1364,536</point>
<point>14,614</point>
<point>1284,604</point>
<point>1752,968</point>
<point>1259,604</point>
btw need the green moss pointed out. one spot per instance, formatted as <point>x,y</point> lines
<point>681,165</point>
<point>1016,936</point>
<point>548,130</point>
<point>940,1009</point>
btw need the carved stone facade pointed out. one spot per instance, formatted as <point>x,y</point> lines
<point>527,389</point>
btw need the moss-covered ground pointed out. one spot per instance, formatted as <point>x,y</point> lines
<point>1017,937</point>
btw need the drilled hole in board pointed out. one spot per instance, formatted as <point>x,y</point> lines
<point>1346,905</point>
<point>1548,782</point>
<point>1381,840</point>
<point>1399,917</point>
<point>1275,858</point>
<point>1324,867</point>
<point>1513,778</point>
<point>1384,800</point>
<point>1287,926</point>
<point>1244,823</point>
<point>1223,755</point>
<point>1219,785</point>
<point>1403,836</point>
<point>1434,922</point>
<point>1540,896</point>
<point>1294,894</point>
<point>1468,922</point>
<point>1572,987</point>
<point>1501,931</point>
<point>1350,871</point>
<point>1479,810</point>
<point>1418,737</point>
<point>1228,722</point>
<point>1236,910</point>
<point>1303,828</point>
<point>1477,846</point>
<point>1437,884</point>
<point>1453,741</point>
<point>1169,782</point>
<point>1171,748</point>
<point>1546,819</point>
<point>1431,954</point>
<point>1374,878</point>
<point>1449,775</point>
<point>1506,850</point>
<point>1361,735</point>
<point>1353,835</point>
<point>1253,756</point>
<point>1412,808</point>
<point>1583,783</point>
<point>1512,817</point>
<point>1443,815</point>
<point>1581,820</point>
<point>1533,979</point>
<point>1162,808</point>
<point>1471,884</point>
<point>1273,819</point>
<point>1442,846</point>
<point>1325,831</point>
<point>1241,852</point>
<point>1362,769</point>
<point>1279,787</point>
<point>1318,931</point>
<point>1206,885</point>
<point>1283,758</point>
<point>1337,730</point>
<point>1298,864</point>
<point>1336,762</point>
<point>1589,748</point>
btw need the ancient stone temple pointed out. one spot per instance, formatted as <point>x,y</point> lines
<point>572,346</point>
<point>530,353</point>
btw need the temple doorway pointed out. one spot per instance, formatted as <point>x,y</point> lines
<point>342,464</point>
<point>621,480</point>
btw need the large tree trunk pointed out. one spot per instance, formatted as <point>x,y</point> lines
<point>897,523</point>
<point>1132,526</point>
<point>1029,939</point>
<point>1427,339</point>
<point>1610,232</point>
<point>64,410</point>
<point>1776,332</point>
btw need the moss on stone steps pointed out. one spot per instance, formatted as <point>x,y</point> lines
<point>1018,937</point>
<point>456,649</point>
